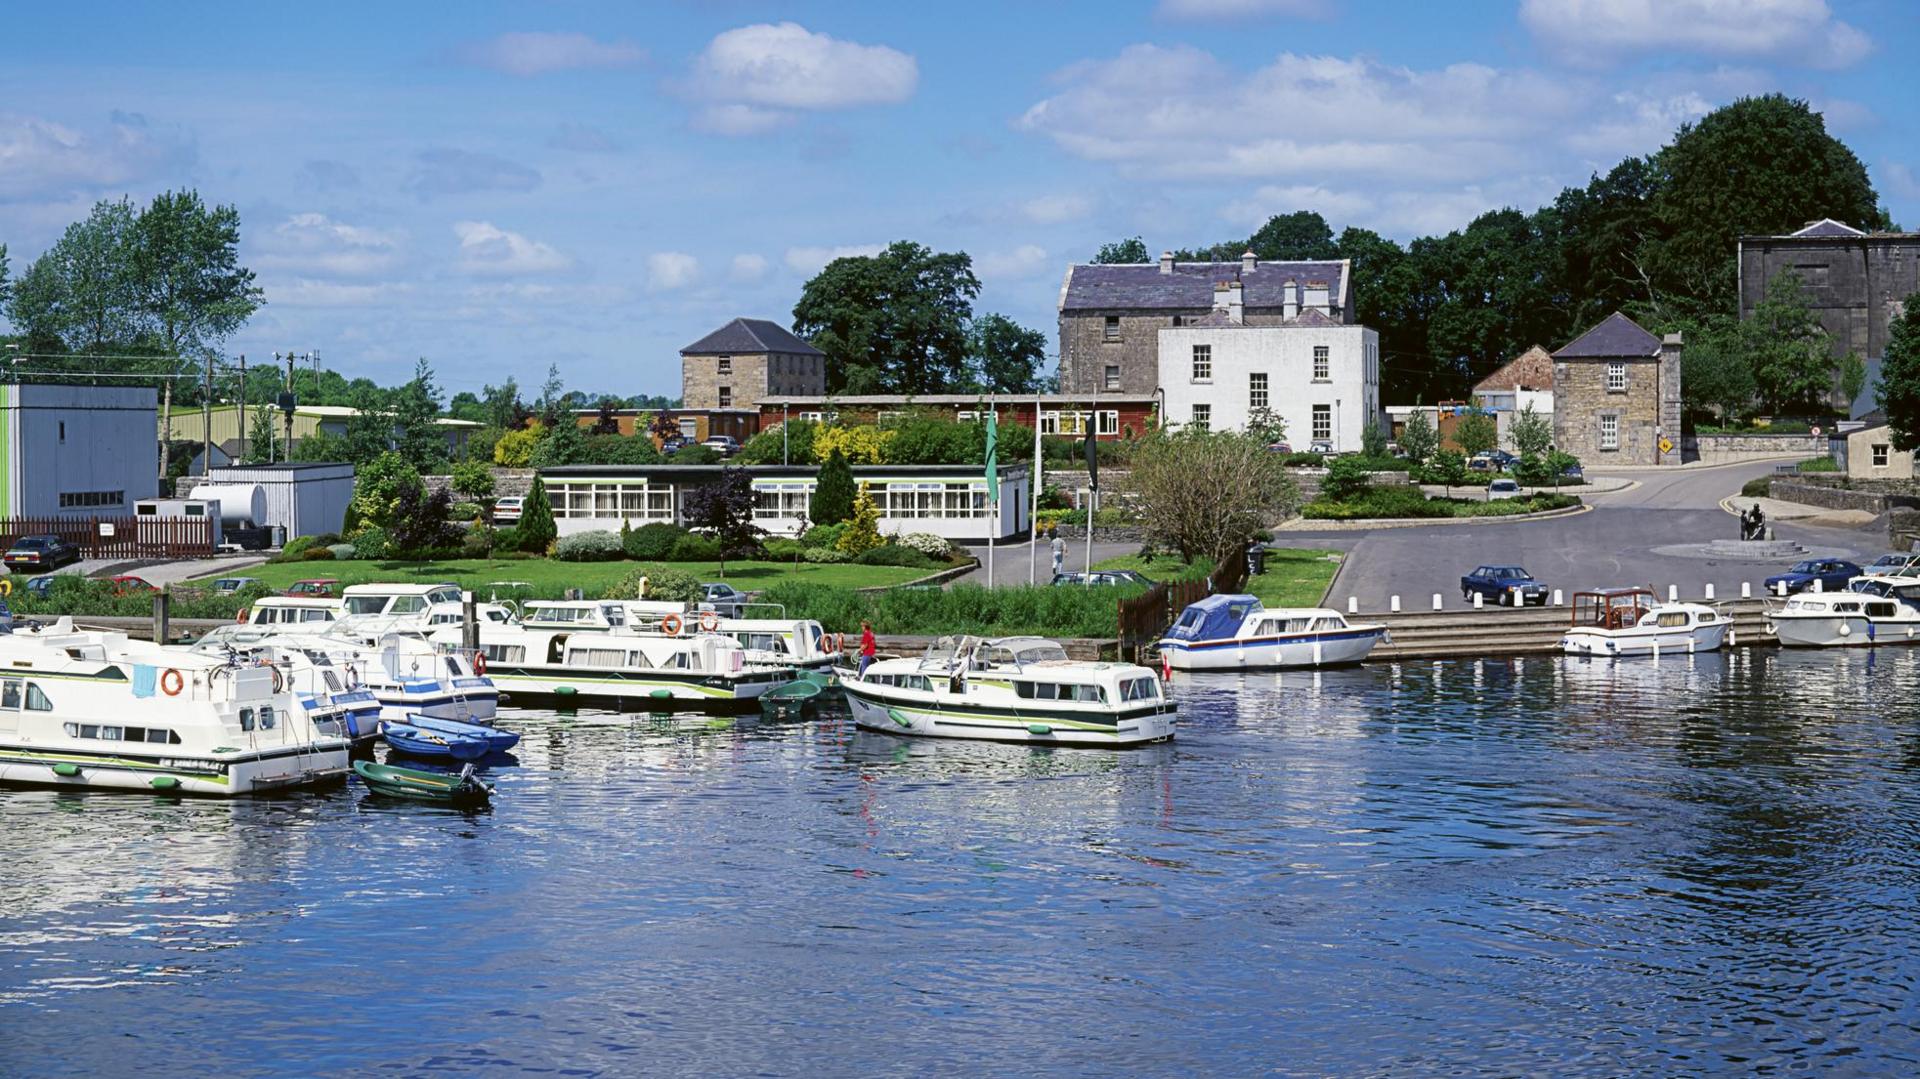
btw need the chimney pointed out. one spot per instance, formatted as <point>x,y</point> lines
<point>1290,299</point>
<point>1236,307</point>
<point>1248,262</point>
<point>1166,262</point>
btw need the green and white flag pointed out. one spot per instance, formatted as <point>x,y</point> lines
<point>993,457</point>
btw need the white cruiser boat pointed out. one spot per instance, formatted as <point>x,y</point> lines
<point>1235,633</point>
<point>373,611</point>
<point>309,670</point>
<point>94,709</point>
<point>1873,610</point>
<point>543,666</point>
<point>1011,689</point>
<point>800,643</point>
<point>1630,622</point>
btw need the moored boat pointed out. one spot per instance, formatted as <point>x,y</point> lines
<point>398,782</point>
<point>1872,610</point>
<point>421,742</point>
<point>498,740</point>
<point>1235,632</point>
<point>1631,622</point>
<point>1011,689</point>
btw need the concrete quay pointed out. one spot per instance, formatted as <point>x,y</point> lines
<point>1499,631</point>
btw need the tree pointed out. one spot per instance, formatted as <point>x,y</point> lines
<point>1346,480</point>
<point>1266,425</point>
<point>501,405</point>
<point>379,488</point>
<point>563,444</point>
<point>1302,234</point>
<point>552,395</point>
<point>1130,250</point>
<point>369,431</point>
<point>863,525</point>
<point>1532,433</point>
<point>1207,494</point>
<point>1476,433</point>
<point>606,423</point>
<point>789,442</point>
<point>1449,470</point>
<point>423,525</point>
<point>186,270</point>
<point>318,446</point>
<point>895,322</point>
<point>262,435</point>
<point>1715,372</point>
<point>1899,392</point>
<point>1419,438</point>
<point>414,411</point>
<point>725,508</point>
<point>1373,439</point>
<point>536,529</point>
<point>1851,374</point>
<point>473,480</point>
<point>515,448</point>
<point>1791,354</point>
<point>833,492</point>
<point>79,295</point>
<point>3,276</point>
<point>1006,356</point>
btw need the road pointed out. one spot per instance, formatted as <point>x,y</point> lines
<point>1609,545</point>
<point>1012,563</point>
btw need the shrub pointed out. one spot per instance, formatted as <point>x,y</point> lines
<point>652,542</point>
<point>833,492</point>
<point>927,544</point>
<point>1304,460</point>
<point>891,554</point>
<point>536,530</point>
<point>863,532</point>
<point>515,448</point>
<point>472,479</point>
<point>1761,487</point>
<point>863,444</point>
<point>663,583</point>
<point>295,547</point>
<point>372,543</point>
<point>597,545</point>
<point>824,535</point>
<point>784,550</point>
<point>343,550</point>
<point>695,455</point>
<point>1346,480</point>
<point>774,446</point>
<point>317,554</point>
<point>825,555</point>
<point>477,543</point>
<point>695,548</point>
<point>464,511</point>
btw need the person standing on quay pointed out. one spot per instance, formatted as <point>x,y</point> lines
<point>1059,549</point>
<point>867,647</point>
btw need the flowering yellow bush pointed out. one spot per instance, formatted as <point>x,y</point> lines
<point>863,532</point>
<point>515,448</point>
<point>863,444</point>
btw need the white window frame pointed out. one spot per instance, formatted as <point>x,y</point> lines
<point>1257,391</point>
<point>1609,431</point>
<point>1202,417</point>
<point>1616,376</point>
<point>725,397</point>
<point>1203,363</point>
<point>1882,454</point>
<point>1322,425</point>
<point>1110,328</point>
<point>724,365</point>
<point>1109,422</point>
<point>1322,363</point>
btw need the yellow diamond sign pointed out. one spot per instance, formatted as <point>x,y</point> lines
<point>1666,444</point>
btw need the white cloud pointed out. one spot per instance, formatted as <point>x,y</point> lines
<point>485,248</point>
<point>539,53</point>
<point>668,270</point>
<point>1335,206</point>
<point>313,243</point>
<point>1054,209</point>
<point>1639,123</point>
<point>44,159</point>
<point>1899,180</point>
<point>809,260</point>
<point>304,292</point>
<point>1021,262</point>
<point>1220,10</point>
<point>751,76</point>
<point>1793,31</point>
<point>749,267</point>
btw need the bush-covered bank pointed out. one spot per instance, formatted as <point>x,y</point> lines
<point>1400,502</point>
<point>967,608</point>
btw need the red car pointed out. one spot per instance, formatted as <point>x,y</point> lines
<point>315,588</point>
<point>127,582</point>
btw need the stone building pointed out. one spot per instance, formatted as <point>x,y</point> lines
<point>1111,315</point>
<point>748,359</point>
<point>1616,395</point>
<point>1855,282</point>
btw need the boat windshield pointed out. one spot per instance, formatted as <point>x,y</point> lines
<point>1039,652</point>
<point>366,604</point>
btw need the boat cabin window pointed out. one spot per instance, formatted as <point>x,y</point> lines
<point>598,657</point>
<point>10,694</point>
<point>1041,652</point>
<point>761,642</point>
<point>366,604</point>
<point>1881,610</point>
<point>1669,619</point>
<point>443,595</point>
<point>639,659</point>
<point>266,717</point>
<point>36,700</point>
<point>1138,689</point>
<point>1055,691</point>
<point>614,614</point>
<point>316,615</point>
<point>246,719</point>
<point>1326,623</point>
<point>158,736</point>
<point>1846,608</point>
<point>504,653</point>
<point>1191,619</point>
<point>453,667</point>
<point>1707,616</point>
<point>408,605</point>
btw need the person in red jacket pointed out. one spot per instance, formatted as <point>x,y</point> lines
<point>867,647</point>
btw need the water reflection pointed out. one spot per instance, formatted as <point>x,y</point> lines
<point>1544,865</point>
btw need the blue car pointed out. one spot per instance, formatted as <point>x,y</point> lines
<point>1506,584</point>
<point>1832,573</point>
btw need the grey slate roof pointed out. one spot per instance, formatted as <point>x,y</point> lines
<point>1827,226</point>
<point>1141,285</point>
<point>1614,336</point>
<point>750,335</point>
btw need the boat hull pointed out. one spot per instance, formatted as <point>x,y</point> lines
<point>475,705</point>
<point>1646,640</point>
<point>1840,631</point>
<point>1332,649</point>
<point>230,775</point>
<point>903,715</point>
<point>635,691</point>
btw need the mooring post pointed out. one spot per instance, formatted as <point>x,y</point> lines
<point>1673,593</point>
<point>1353,605</point>
<point>1709,591</point>
<point>469,624</point>
<point>1393,604</point>
<point>1556,597</point>
<point>1436,601</point>
<point>162,607</point>
<point>1819,585</point>
<point>1479,601</point>
<point>1746,589</point>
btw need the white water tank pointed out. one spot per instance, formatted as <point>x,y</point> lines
<point>242,505</point>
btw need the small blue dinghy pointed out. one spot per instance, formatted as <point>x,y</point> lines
<point>420,742</point>
<point>497,740</point>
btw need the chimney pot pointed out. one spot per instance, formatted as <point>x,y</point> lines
<point>1248,261</point>
<point>1166,262</point>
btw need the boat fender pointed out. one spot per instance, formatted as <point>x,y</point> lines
<point>564,691</point>
<point>837,642</point>
<point>709,621</point>
<point>171,682</point>
<point>670,625</point>
<point>66,768</point>
<point>1846,630</point>
<point>164,783</point>
<point>661,694</point>
<point>894,714</point>
<point>6,587</point>
<point>1039,728</point>
<point>1732,638</point>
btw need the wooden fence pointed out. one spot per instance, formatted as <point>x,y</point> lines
<point>1144,617</point>
<point>119,537</point>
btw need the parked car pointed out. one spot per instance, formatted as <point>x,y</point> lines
<point>1492,461</point>
<point>1320,446</point>
<point>227,586</point>
<point>1573,472</point>
<point>1895,564</point>
<point>1502,584</point>
<point>1279,447</point>
<point>1502,488</point>
<point>41,552</point>
<point>724,445</point>
<point>41,587</point>
<point>506,511</point>
<point>124,583</point>
<point>1105,577</point>
<point>1832,573</point>
<point>315,588</point>
<point>673,444</point>
<point>723,599</point>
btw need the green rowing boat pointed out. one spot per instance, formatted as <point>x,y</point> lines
<point>426,786</point>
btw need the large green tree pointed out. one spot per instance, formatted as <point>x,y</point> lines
<point>1007,357</point>
<point>1791,353</point>
<point>191,289</point>
<point>895,322</point>
<point>415,411</point>
<point>1133,249</point>
<point>1899,391</point>
<point>80,294</point>
<point>1302,234</point>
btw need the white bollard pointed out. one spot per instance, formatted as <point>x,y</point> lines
<point>1819,585</point>
<point>1746,589</point>
<point>1709,592</point>
<point>1479,601</point>
<point>1673,593</point>
<point>1353,605</point>
<point>1394,605</point>
<point>1436,601</point>
<point>1781,588</point>
<point>1556,597</point>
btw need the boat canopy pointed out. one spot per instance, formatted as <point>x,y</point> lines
<point>1213,618</point>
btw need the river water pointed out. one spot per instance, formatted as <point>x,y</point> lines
<point>1540,867</point>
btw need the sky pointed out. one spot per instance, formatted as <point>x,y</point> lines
<point>501,186</point>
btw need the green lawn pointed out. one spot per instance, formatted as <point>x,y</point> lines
<point>1295,577</point>
<point>549,579</point>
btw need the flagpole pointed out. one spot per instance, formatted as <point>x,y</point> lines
<point>993,480</point>
<point>1093,479</point>
<point>1033,499</point>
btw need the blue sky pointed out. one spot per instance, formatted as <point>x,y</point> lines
<point>597,185</point>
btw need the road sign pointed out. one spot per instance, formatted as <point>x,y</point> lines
<point>1666,444</point>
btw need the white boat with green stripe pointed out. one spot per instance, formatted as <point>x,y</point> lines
<point>1011,689</point>
<point>97,710</point>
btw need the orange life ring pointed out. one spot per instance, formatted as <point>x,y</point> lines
<point>839,642</point>
<point>171,682</point>
<point>670,625</point>
<point>240,616</point>
<point>479,664</point>
<point>709,621</point>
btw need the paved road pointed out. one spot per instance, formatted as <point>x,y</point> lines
<point>1609,545</point>
<point>1011,564</point>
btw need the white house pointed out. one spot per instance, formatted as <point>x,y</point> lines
<point>1319,377</point>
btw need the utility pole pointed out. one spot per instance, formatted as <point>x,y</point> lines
<point>287,406</point>
<point>206,421</point>
<point>243,408</point>
<point>166,427</point>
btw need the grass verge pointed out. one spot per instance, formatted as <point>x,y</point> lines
<point>547,579</point>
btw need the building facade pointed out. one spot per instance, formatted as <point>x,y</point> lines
<point>232,429</point>
<point>946,500</point>
<point>1113,416</point>
<point>1869,454</point>
<point>745,361</point>
<point>692,425</point>
<point>1111,315</point>
<point>77,451</point>
<point>1616,395</point>
<point>1320,378</point>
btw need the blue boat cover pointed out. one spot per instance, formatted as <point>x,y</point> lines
<point>1213,618</point>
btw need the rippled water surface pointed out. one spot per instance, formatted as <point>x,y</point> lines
<point>1548,867</point>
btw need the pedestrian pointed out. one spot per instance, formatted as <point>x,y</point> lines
<point>867,647</point>
<point>1059,549</point>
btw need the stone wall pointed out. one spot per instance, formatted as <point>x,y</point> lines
<point>507,482</point>
<point>1834,496</point>
<point>1713,448</point>
<point>1853,284</point>
<point>1581,398</point>
<point>1086,351</point>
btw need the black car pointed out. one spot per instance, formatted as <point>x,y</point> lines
<point>41,552</point>
<point>1503,584</point>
